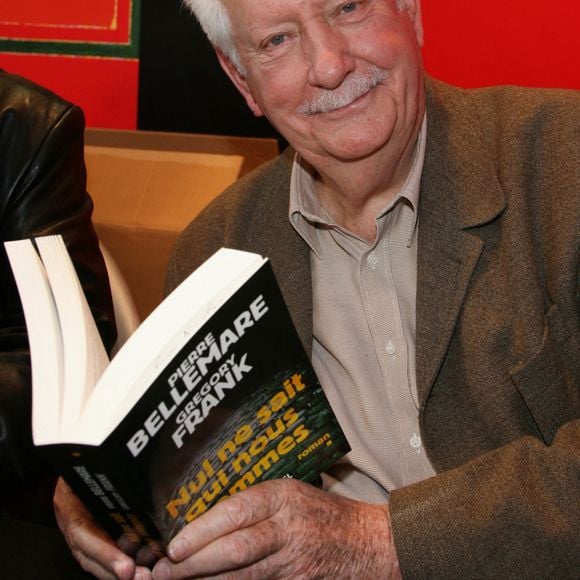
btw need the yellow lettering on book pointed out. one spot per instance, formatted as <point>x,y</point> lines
<point>190,490</point>
<point>324,440</point>
<point>248,454</point>
<point>263,463</point>
<point>291,387</point>
<point>243,435</point>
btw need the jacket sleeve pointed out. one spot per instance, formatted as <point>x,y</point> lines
<point>43,191</point>
<point>510,513</point>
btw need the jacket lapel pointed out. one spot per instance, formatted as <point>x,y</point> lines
<point>446,261</point>
<point>459,193</point>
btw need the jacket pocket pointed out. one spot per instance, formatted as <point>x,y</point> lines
<point>548,381</point>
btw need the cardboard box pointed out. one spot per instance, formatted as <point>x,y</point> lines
<point>147,187</point>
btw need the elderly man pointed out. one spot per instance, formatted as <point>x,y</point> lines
<point>426,240</point>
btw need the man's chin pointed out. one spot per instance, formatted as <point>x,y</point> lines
<point>349,151</point>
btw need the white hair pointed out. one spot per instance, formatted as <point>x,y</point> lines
<point>215,22</point>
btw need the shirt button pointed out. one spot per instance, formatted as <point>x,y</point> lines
<point>390,348</point>
<point>372,261</point>
<point>415,442</point>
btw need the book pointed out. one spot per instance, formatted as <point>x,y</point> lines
<point>212,393</point>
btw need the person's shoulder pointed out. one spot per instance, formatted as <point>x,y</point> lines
<point>511,120</point>
<point>250,205</point>
<point>25,102</point>
<point>509,105</point>
<point>541,106</point>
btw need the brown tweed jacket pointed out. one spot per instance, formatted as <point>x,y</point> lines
<point>498,350</point>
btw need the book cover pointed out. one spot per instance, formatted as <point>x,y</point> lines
<point>236,404</point>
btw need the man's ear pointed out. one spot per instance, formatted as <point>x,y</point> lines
<point>240,82</point>
<point>413,9</point>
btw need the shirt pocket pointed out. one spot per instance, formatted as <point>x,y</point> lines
<point>548,380</point>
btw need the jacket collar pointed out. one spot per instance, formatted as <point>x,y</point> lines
<point>459,174</point>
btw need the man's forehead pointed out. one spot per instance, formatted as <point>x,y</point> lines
<point>280,6</point>
<point>269,5</point>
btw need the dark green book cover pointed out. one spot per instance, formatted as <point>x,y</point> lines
<point>238,404</point>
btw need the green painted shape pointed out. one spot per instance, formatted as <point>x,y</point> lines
<point>130,50</point>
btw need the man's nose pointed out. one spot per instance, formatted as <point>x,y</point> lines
<point>328,56</point>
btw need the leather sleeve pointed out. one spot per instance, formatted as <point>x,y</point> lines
<point>42,191</point>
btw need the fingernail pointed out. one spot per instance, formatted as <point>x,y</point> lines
<point>119,569</point>
<point>161,571</point>
<point>177,549</point>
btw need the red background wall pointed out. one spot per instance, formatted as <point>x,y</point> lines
<point>467,42</point>
<point>106,88</point>
<point>486,42</point>
<point>85,51</point>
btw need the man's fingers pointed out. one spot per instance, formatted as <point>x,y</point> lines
<point>238,512</point>
<point>237,551</point>
<point>283,529</point>
<point>97,554</point>
<point>90,545</point>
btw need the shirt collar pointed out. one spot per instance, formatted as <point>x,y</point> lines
<point>305,210</point>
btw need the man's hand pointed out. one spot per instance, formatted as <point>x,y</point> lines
<point>90,545</point>
<point>284,529</point>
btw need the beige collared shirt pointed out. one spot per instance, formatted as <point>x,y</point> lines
<point>364,335</point>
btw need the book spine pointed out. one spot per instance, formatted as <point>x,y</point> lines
<point>108,496</point>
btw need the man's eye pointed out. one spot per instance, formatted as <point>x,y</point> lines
<point>277,39</point>
<point>349,7</point>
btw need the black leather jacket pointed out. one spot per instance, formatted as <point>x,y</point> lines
<point>42,191</point>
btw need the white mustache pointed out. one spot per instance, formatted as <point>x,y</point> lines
<point>354,86</point>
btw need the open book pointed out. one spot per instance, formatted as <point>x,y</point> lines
<point>212,393</point>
